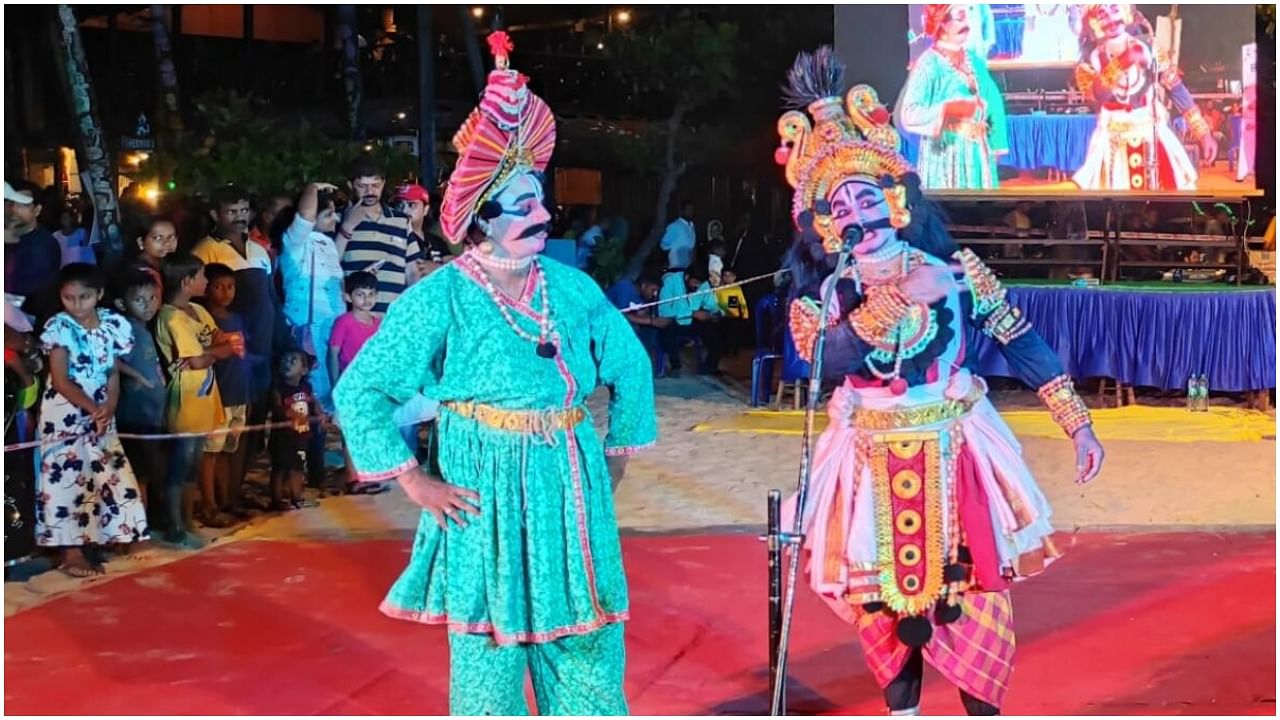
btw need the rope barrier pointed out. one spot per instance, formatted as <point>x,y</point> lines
<point>32,444</point>
<point>740,283</point>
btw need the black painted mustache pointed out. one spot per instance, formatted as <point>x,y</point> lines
<point>534,230</point>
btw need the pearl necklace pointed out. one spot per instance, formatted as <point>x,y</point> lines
<point>878,268</point>
<point>888,252</point>
<point>498,263</point>
<point>545,347</point>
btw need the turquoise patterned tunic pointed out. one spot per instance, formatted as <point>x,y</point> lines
<point>953,155</point>
<point>542,560</point>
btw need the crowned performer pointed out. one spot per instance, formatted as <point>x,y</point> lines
<point>1133,149</point>
<point>953,104</point>
<point>922,510</point>
<point>517,552</point>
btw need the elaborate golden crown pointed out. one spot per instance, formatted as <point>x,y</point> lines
<point>848,137</point>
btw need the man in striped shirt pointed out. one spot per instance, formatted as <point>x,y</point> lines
<point>376,238</point>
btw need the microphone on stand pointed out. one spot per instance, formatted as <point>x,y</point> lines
<point>780,637</point>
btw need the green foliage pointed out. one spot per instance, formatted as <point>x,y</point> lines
<point>682,63</point>
<point>608,261</point>
<point>238,142</point>
<point>683,59</point>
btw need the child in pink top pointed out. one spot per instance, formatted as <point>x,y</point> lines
<point>350,332</point>
<point>353,329</point>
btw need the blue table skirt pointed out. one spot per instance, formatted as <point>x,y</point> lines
<point>1151,338</point>
<point>1036,141</point>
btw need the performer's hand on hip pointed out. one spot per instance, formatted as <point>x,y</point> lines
<point>1089,455</point>
<point>438,497</point>
<point>927,284</point>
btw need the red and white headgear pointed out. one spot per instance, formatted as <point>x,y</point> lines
<point>512,131</point>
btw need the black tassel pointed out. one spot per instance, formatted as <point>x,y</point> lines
<point>813,76</point>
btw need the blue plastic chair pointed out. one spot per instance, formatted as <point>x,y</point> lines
<point>795,369</point>
<point>768,350</point>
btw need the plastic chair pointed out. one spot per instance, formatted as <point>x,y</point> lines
<point>795,370</point>
<point>767,348</point>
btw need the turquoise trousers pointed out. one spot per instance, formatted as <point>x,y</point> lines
<point>575,675</point>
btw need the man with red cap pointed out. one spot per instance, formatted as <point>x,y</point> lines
<point>415,202</point>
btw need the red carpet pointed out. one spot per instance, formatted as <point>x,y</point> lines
<point>1125,624</point>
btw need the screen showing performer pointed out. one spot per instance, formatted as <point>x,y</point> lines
<point>1061,99</point>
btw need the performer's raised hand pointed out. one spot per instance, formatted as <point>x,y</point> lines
<point>927,284</point>
<point>439,498</point>
<point>1089,455</point>
<point>1134,54</point>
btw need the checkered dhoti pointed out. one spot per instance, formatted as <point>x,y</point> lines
<point>975,653</point>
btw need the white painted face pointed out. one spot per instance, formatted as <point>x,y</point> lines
<point>861,201</point>
<point>521,230</point>
<point>955,29</point>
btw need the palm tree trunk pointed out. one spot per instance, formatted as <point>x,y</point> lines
<point>672,170</point>
<point>93,159</point>
<point>348,36</point>
<point>426,97</point>
<point>169,112</point>
<point>474,59</point>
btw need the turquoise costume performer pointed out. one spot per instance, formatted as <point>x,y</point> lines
<point>518,550</point>
<point>953,104</point>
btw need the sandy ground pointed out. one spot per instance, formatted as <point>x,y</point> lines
<point>696,481</point>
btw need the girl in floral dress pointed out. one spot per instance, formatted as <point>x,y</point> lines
<point>86,495</point>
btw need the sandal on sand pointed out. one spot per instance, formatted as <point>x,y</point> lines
<point>217,521</point>
<point>80,572</point>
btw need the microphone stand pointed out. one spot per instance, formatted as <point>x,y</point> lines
<point>780,639</point>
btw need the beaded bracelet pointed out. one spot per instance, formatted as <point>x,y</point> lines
<point>1066,407</point>
<point>1197,126</point>
<point>875,320</point>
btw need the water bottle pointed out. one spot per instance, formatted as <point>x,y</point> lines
<point>1204,393</point>
<point>1191,393</point>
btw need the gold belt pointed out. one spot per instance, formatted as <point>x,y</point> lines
<point>918,416</point>
<point>522,421</point>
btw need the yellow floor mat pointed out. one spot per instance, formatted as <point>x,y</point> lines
<point>1135,422</point>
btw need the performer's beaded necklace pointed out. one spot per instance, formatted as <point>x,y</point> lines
<point>958,59</point>
<point>545,347</point>
<point>917,328</point>
<point>498,263</point>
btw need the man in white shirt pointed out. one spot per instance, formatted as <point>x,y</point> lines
<point>680,238</point>
<point>696,317</point>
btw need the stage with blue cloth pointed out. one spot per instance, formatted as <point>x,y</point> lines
<point>1036,141</point>
<point>1150,334</point>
